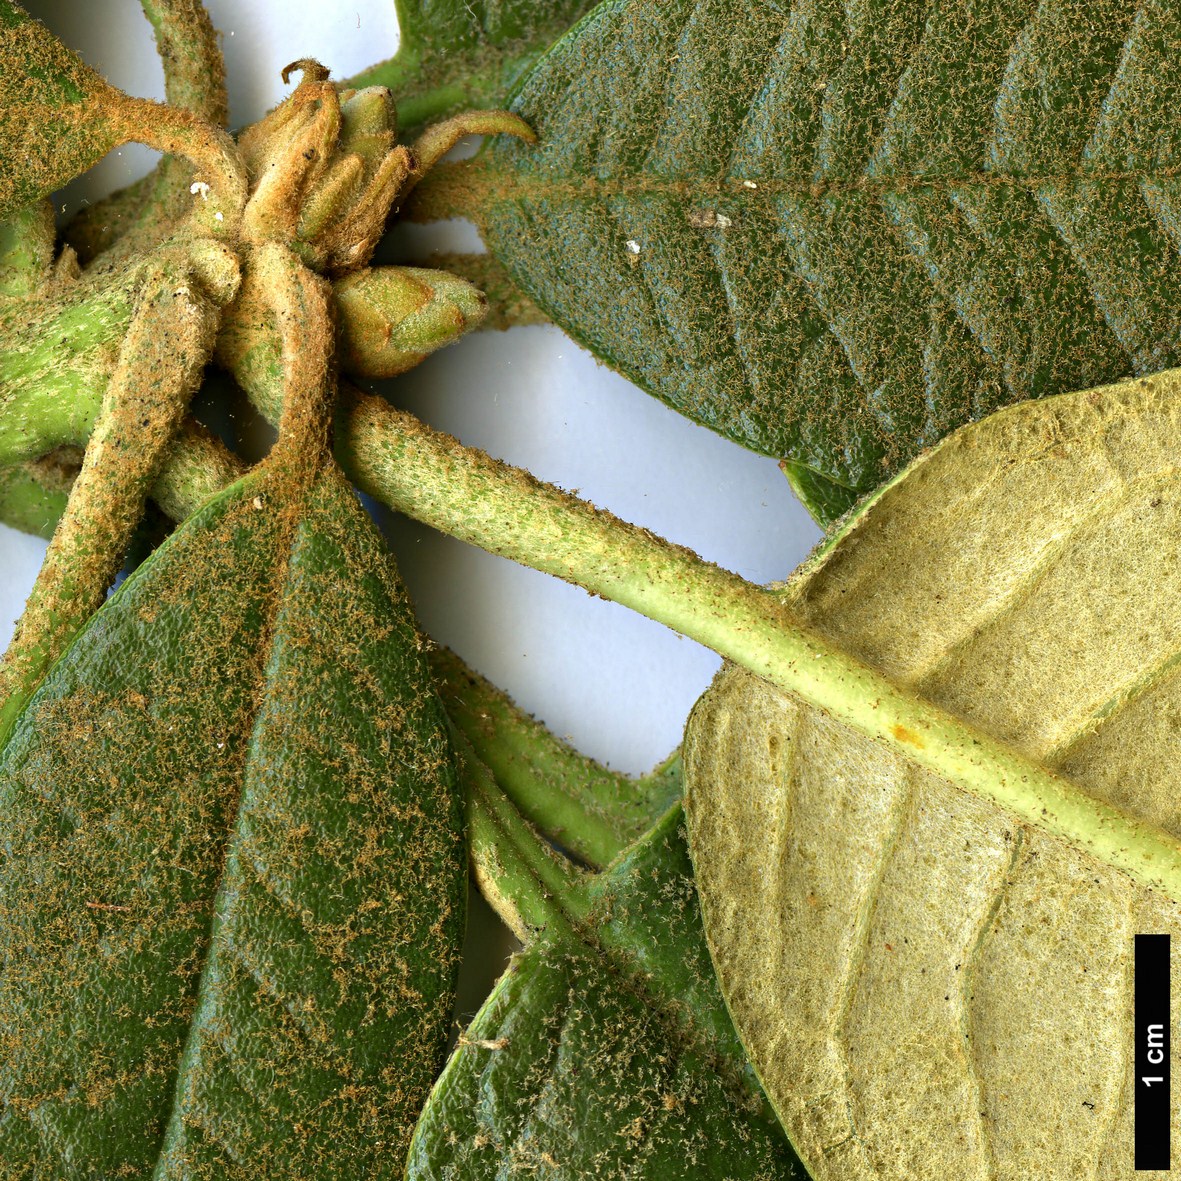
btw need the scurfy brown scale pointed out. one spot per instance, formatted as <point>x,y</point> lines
<point>304,195</point>
<point>290,208</point>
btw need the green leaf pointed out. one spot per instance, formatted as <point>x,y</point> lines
<point>928,987</point>
<point>446,25</point>
<point>57,117</point>
<point>461,54</point>
<point>833,234</point>
<point>578,804</point>
<point>606,1053</point>
<point>231,894</point>
<point>825,500</point>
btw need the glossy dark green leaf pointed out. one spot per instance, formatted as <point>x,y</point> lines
<point>57,116</point>
<point>607,1054</point>
<point>833,232</point>
<point>231,878</point>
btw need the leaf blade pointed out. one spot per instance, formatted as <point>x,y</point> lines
<point>447,25</point>
<point>834,241</point>
<point>454,57</point>
<point>915,944</point>
<point>596,1068</point>
<point>299,1028</point>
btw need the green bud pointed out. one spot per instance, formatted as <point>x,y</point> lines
<point>366,113</point>
<point>392,317</point>
<point>330,198</point>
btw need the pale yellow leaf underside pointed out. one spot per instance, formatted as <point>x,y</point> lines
<point>929,989</point>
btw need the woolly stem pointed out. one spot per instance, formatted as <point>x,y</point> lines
<point>55,366</point>
<point>33,495</point>
<point>159,367</point>
<point>194,72</point>
<point>433,478</point>
<point>299,303</point>
<point>197,466</point>
<point>221,181</point>
<point>194,81</point>
<point>438,139</point>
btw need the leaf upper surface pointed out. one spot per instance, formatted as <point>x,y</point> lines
<point>454,24</point>
<point>834,233</point>
<point>590,1064</point>
<point>927,988</point>
<point>232,881</point>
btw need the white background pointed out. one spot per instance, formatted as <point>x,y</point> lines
<point>616,685</point>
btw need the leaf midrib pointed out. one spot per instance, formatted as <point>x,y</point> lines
<point>285,550</point>
<point>534,180</point>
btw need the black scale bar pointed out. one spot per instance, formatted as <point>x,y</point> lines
<point>1153,1084</point>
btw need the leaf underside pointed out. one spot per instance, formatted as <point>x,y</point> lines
<point>853,227</point>
<point>927,988</point>
<point>232,881</point>
<point>585,1065</point>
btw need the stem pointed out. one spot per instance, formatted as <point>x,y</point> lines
<point>455,189</point>
<point>575,802</point>
<point>197,466</point>
<point>194,81</point>
<point>433,478</point>
<point>194,71</point>
<point>298,301</point>
<point>55,365</point>
<point>33,495</point>
<point>528,885</point>
<point>438,139</point>
<point>218,210</point>
<point>160,365</point>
